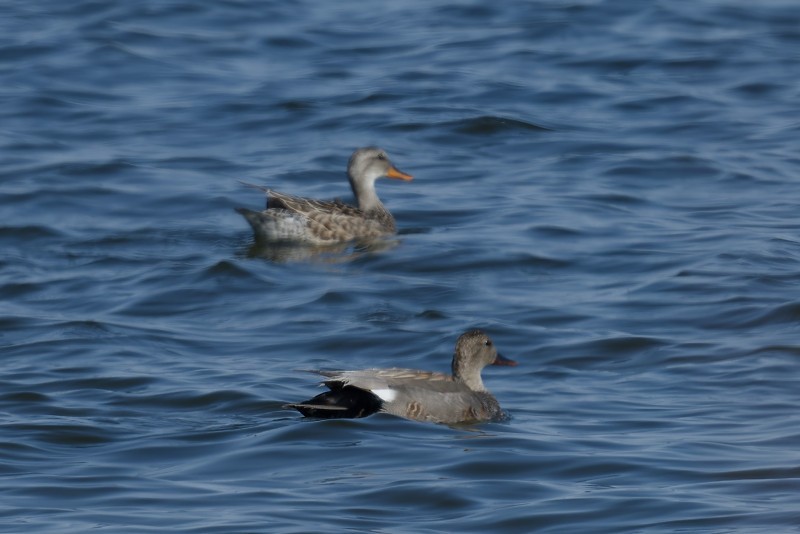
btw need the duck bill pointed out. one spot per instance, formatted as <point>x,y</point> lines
<point>393,172</point>
<point>502,360</point>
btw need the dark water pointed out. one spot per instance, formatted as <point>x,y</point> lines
<point>610,189</point>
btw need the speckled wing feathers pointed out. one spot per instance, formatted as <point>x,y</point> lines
<point>317,221</point>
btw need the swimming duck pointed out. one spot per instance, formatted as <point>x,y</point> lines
<point>292,219</point>
<point>418,395</point>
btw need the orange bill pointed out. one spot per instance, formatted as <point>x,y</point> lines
<point>394,173</point>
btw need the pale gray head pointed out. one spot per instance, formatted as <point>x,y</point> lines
<point>367,165</point>
<point>474,351</point>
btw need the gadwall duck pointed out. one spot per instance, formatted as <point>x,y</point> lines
<point>418,395</point>
<point>317,222</point>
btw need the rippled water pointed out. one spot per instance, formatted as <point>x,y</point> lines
<point>608,188</point>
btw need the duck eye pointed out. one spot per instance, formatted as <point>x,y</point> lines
<point>488,342</point>
<point>381,156</point>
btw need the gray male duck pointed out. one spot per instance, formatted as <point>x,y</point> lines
<point>291,219</point>
<point>458,398</point>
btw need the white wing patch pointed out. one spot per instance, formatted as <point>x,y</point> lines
<point>386,395</point>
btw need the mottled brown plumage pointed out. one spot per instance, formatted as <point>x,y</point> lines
<point>290,219</point>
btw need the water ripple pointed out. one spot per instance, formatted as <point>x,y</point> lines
<point>607,188</point>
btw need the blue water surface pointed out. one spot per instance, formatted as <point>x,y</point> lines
<point>608,188</point>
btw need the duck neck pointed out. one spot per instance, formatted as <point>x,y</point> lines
<point>470,377</point>
<point>366,197</point>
